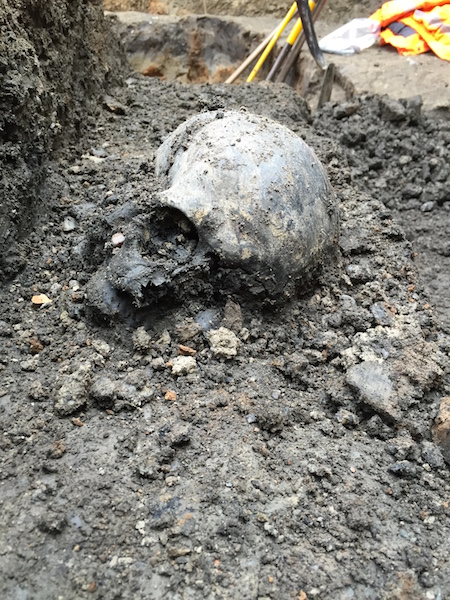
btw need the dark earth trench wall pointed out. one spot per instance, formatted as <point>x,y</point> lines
<point>205,446</point>
<point>56,57</point>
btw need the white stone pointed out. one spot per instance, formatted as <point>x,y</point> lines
<point>223,342</point>
<point>183,365</point>
<point>102,347</point>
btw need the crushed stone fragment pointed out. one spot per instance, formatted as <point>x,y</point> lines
<point>183,365</point>
<point>72,393</point>
<point>101,347</point>
<point>142,341</point>
<point>223,342</point>
<point>371,381</point>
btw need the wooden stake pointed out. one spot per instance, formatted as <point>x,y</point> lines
<point>251,58</point>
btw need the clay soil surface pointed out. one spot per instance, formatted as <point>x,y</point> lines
<point>207,445</point>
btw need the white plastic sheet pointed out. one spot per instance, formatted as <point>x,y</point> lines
<point>353,37</point>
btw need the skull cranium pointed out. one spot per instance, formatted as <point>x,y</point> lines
<point>242,195</point>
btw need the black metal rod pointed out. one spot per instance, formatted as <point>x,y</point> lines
<point>310,34</point>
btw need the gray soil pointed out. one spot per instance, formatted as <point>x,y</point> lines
<point>56,58</point>
<point>293,453</point>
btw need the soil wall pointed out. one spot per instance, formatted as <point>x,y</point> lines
<point>333,11</point>
<point>56,56</point>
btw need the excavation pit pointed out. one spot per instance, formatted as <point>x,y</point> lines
<point>208,49</point>
<point>213,447</point>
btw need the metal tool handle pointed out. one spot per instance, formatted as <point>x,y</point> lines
<point>310,34</point>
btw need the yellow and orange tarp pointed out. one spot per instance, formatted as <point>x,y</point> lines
<point>414,27</point>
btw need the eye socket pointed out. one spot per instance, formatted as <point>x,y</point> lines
<point>170,222</point>
<point>170,234</point>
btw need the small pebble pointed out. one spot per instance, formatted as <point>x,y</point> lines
<point>427,206</point>
<point>403,468</point>
<point>158,363</point>
<point>186,350</point>
<point>69,224</point>
<point>117,239</point>
<point>101,347</point>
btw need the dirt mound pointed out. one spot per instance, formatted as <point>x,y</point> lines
<point>210,448</point>
<point>403,160</point>
<point>207,445</point>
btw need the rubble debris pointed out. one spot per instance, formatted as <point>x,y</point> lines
<point>375,388</point>
<point>183,365</point>
<point>224,343</point>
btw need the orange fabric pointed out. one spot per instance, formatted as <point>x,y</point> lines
<point>412,44</point>
<point>434,28</point>
<point>430,20</point>
<point>396,9</point>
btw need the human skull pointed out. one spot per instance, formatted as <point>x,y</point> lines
<point>246,207</point>
<point>256,194</point>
